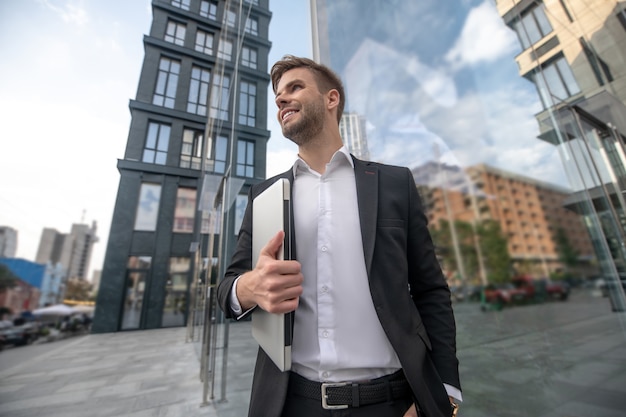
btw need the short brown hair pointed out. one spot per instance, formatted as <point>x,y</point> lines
<point>326,79</point>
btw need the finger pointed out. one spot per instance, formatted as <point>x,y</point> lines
<point>274,244</point>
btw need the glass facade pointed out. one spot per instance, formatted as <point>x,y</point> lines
<point>511,116</point>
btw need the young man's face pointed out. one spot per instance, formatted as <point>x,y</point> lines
<point>301,108</point>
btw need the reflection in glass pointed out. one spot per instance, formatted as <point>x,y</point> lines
<point>175,304</point>
<point>135,287</point>
<point>519,157</point>
<point>148,207</point>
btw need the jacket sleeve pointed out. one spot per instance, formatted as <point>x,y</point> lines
<point>430,292</point>
<point>240,262</point>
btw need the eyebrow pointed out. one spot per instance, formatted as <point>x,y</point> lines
<point>289,84</point>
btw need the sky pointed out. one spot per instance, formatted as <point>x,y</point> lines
<point>68,71</point>
<point>70,67</point>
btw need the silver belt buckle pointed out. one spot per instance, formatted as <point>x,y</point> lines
<point>325,386</point>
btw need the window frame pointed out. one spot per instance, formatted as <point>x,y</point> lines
<point>245,158</point>
<point>156,143</point>
<point>166,83</point>
<point>199,85</point>
<point>247,103</point>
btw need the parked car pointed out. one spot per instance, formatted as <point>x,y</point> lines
<point>20,333</point>
<point>540,289</point>
<point>499,294</point>
<point>524,289</point>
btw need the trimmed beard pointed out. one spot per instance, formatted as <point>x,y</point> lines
<point>310,124</point>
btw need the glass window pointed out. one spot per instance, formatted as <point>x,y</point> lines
<point>175,33</point>
<point>204,42</point>
<point>249,57</point>
<point>208,9</point>
<point>240,209</point>
<point>184,214</point>
<point>192,149</point>
<point>252,26</point>
<point>555,82</point>
<point>225,50</point>
<point>220,97</point>
<point>148,207</point>
<point>136,276</point>
<point>247,103</point>
<point>198,91</point>
<point>183,4</point>
<point>221,152</point>
<point>245,159</point>
<point>500,174</point>
<point>157,142</point>
<point>532,26</point>
<point>167,82</point>
<point>175,303</point>
<point>230,18</point>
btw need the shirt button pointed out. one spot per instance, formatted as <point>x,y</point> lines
<point>324,248</point>
<point>324,289</point>
<point>325,375</point>
<point>325,333</point>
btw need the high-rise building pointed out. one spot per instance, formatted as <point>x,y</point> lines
<point>72,251</point>
<point>199,116</point>
<point>352,128</point>
<point>8,242</point>
<point>574,52</point>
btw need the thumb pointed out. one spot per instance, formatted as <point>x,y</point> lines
<point>274,244</point>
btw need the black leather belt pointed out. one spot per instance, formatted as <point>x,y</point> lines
<point>338,395</point>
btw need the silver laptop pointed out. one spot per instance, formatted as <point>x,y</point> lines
<point>271,213</point>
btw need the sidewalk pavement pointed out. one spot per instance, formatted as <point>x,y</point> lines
<point>560,359</point>
<point>149,373</point>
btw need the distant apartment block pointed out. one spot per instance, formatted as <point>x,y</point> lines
<point>529,212</point>
<point>72,250</point>
<point>8,242</point>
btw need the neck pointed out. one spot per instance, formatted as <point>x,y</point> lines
<point>318,153</point>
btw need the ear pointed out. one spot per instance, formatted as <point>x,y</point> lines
<point>332,99</point>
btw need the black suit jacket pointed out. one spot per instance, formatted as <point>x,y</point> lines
<point>408,289</point>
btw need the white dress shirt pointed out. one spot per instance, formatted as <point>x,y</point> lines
<point>337,334</point>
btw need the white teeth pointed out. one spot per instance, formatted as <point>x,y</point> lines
<point>289,113</point>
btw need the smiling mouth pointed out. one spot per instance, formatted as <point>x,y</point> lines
<point>288,114</point>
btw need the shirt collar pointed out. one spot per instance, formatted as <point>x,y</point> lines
<point>342,152</point>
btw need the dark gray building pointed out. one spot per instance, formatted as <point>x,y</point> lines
<point>201,106</point>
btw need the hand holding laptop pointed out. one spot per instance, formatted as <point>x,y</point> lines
<point>274,285</point>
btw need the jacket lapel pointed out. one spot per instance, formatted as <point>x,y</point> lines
<point>366,176</point>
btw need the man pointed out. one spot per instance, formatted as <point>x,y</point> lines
<point>372,308</point>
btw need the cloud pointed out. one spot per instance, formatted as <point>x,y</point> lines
<point>280,161</point>
<point>72,12</point>
<point>484,38</point>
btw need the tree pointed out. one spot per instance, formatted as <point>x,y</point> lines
<point>7,278</point>
<point>496,256</point>
<point>78,290</point>
<point>567,253</point>
<point>493,245</point>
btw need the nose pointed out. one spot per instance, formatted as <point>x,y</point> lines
<point>280,100</point>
